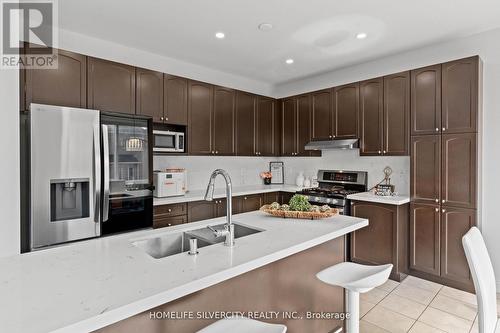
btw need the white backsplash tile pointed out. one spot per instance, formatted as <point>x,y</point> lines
<point>245,170</point>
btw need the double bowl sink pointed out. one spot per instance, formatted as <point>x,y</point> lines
<point>175,243</point>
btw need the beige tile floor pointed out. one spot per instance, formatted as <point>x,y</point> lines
<point>417,306</point>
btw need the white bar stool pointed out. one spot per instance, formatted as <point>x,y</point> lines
<point>355,279</point>
<point>242,325</point>
<point>484,280</point>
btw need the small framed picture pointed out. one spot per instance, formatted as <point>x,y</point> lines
<point>277,170</point>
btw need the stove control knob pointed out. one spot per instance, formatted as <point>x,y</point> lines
<point>317,199</point>
<point>328,200</point>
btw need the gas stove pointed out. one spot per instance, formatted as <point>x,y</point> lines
<point>335,186</point>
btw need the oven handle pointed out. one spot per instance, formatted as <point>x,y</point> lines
<point>105,145</point>
<point>97,175</point>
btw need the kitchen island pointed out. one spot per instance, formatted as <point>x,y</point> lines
<point>89,285</point>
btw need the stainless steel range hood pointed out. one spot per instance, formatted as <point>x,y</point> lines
<point>333,144</point>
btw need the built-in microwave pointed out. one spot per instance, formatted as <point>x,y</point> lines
<point>168,141</point>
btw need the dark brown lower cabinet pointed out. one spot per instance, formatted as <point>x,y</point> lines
<point>436,251</point>
<point>169,215</point>
<point>161,222</point>
<point>250,203</point>
<point>269,198</point>
<point>384,240</point>
<point>204,210</point>
<point>285,197</point>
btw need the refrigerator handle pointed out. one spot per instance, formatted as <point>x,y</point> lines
<point>105,152</point>
<point>97,175</point>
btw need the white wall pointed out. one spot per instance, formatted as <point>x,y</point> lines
<point>245,170</point>
<point>9,167</point>
<point>485,45</point>
<point>99,48</point>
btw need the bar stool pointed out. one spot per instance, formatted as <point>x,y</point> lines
<point>484,280</point>
<point>355,279</point>
<point>242,325</point>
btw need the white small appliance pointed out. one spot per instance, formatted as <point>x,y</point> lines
<point>170,183</point>
<point>168,142</point>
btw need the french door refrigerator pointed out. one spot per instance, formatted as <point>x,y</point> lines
<point>89,174</point>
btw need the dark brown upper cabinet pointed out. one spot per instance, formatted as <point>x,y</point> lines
<point>425,238</point>
<point>64,86</point>
<point>289,127</point>
<point>371,114</point>
<point>396,114</point>
<point>460,95</point>
<point>455,222</point>
<point>303,125</point>
<point>111,86</point>
<point>175,100</point>
<point>346,111</point>
<point>321,115</point>
<point>200,118</point>
<point>223,124</point>
<point>426,100</point>
<point>149,94</point>
<point>425,169</point>
<point>459,167</point>
<point>246,127</point>
<point>266,127</point>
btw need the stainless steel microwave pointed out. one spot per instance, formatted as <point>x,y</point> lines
<point>168,141</point>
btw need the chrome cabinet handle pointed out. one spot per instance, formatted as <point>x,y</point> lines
<point>169,225</point>
<point>170,210</point>
<point>213,152</point>
<point>444,129</point>
<point>443,210</point>
<point>245,198</point>
<point>437,200</point>
<point>379,152</point>
<point>437,129</point>
<point>166,118</point>
<point>330,136</point>
<point>442,201</point>
<point>384,151</point>
<point>437,209</point>
<point>216,152</point>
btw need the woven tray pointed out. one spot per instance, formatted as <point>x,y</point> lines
<point>299,215</point>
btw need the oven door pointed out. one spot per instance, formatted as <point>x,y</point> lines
<point>165,141</point>
<point>343,209</point>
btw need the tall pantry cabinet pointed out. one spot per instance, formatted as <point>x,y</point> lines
<point>445,108</point>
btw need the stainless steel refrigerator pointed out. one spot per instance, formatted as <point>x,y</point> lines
<point>90,174</point>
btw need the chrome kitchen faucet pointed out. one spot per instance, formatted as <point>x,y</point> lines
<point>228,231</point>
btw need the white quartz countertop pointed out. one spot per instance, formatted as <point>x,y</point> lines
<point>88,285</point>
<point>197,195</point>
<point>390,200</point>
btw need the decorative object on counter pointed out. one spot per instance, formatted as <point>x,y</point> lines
<point>314,181</point>
<point>277,172</point>
<point>299,181</point>
<point>384,187</point>
<point>267,177</point>
<point>299,207</point>
<point>307,182</point>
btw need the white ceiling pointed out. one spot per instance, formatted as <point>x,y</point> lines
<point>318,34</point>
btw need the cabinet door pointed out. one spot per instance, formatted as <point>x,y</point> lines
<point>459,167</point>
<point>269,198</point>
<point>161,222</point>
<point>220,207</point>
<point>250,203</point>
<point>285,197</point>
<point>303,124</point>
<point>426,100</point>
<point>245,124</point>
<point>371,116</point>
<point>175,99</point>
<point>64,86</point>
<point>224,105</point>
<point>374,244</point>
<point>346,111</point>
<point>321,114</point>
<point>111,86</point>
<point>397,114</point>
<point>460,96</point>
<point>455,224</point>
<point>150,94</point>
<point>200,127</point>
<point>288,128</point>
<point>425,238</point>
<point>201,210</point>
<point>266,126</point>
<point>425,170</point>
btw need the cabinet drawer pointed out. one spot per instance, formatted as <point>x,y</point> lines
<point>170,210</point>
<point>161,222</point>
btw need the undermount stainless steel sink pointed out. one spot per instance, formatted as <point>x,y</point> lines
<point>171,244</point>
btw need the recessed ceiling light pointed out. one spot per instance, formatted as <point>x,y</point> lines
<point>289,61</point>
<point>361,35</point>
<point>265,26</point>
<point>220,35</point>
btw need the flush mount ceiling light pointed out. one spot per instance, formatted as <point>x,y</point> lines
<point>361,35</point>
<point>220,35</point>
<point>265,26</point>
<point>289,61</point>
